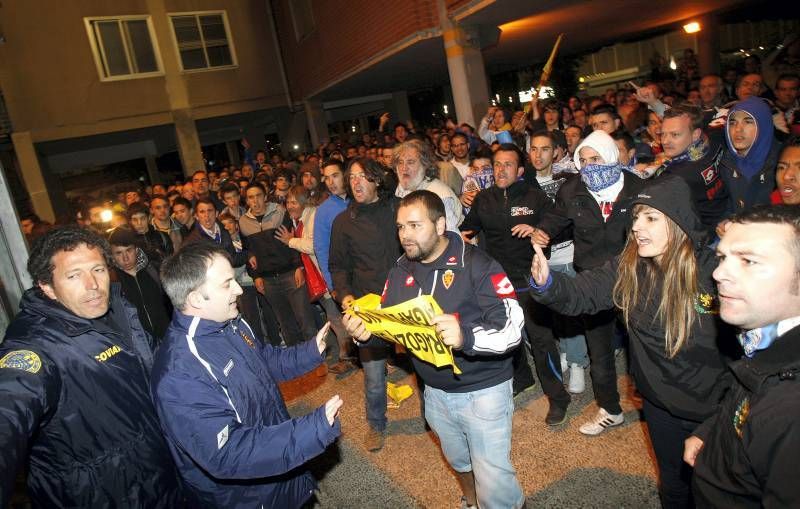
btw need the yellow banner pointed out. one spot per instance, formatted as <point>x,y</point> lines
<point>408,324</point>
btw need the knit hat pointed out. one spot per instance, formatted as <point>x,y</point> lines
<point>671,195</point>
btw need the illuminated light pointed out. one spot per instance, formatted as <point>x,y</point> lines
<point>582,79</point>
<point>497,97</point>
<point>691,28</point>
<point>295,147</point>
<point>494,103</point>
<point>353,128</point>
<point>444,107</point>
<point>761,48</point>
<point>741,50</point>
<point>510,99</point>
<point>106,215</point>
<point>672,64</point>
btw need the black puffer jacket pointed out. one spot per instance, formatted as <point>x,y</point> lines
<point>495,211</point>
<point>689,385</point>
<point>364,247</point>
<point>75,402</point>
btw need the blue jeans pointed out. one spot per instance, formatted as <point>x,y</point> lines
<point>474,429</point>
<point>569,329</point>
<point>291,306</point>
<point>373,360</point>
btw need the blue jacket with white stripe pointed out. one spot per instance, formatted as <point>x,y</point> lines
<point>215,388</point>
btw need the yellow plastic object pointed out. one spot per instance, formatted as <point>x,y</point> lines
<point>398,393</point>
<point>408,324</point>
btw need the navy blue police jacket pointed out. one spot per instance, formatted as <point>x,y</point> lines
<point>467,282</point>
<point>75,401</point>
<point>215,387</point>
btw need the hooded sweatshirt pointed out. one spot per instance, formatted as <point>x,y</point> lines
<point>690,384</point>
<point>750,178</point>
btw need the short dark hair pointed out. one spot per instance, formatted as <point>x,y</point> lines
<point>332,162</point>
<point>185,271</point>
<point>432,203</point>
<point>63,238</point>
<point>622,134</point>
<point>787,76</point>
<point>136,208</point>
<point>544,133</point>
<point>510,147</point>
<point>180,200</point>
<point>606,108</point>
<point>694,113</point>
<point>204,201</point>
<point>788,215</point>
<point>229,187</point>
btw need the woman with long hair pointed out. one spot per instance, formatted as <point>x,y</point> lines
<point>661,283</point>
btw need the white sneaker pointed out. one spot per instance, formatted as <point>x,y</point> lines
<point>563,363</point>
<point>600,422</point>
<point>577,379</point>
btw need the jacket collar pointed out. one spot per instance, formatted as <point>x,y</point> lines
<point>782,357</point>
<point>271,208</point>
<point>452,258</point>
<point>184,323</point>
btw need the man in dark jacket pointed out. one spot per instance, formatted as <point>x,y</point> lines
<point>75,389</point>
<point>157,244</point>
<point>598,208</point>
<point>695,159</point>
<point>507,212</point>
<point>140,282</point>
<point>364,247</point>
<point>746,455</point>
<point>279,272</point>
<point>481,322</point>
<point>215,386</point>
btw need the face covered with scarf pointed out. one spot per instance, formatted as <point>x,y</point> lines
<point>749,134</point>
<point>597,158</point>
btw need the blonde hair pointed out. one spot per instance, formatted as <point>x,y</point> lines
<point>675,272</point>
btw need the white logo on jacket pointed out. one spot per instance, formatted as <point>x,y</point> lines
<point>222,437</point>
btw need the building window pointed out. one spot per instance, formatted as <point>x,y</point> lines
<point>123,47</point>
<point>203,40</point>
<point>302,18</point>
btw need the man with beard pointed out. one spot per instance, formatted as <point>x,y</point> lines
<point>470,413</point>
<point>75,390</point>
<point>415,166</point>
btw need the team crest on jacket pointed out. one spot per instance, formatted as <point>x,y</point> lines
<point>22,359</point>
<point>709,174</point>
<point>741,415</point>
<point>410,281</point>
<point>503,287</point>
<point>447,278</point>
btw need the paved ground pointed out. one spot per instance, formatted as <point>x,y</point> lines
<point>557,467</point>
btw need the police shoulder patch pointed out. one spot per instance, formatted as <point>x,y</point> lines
<point>22,359</point>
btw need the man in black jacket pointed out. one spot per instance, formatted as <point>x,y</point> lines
<point>598,208</point>
<point>508,212</point>
<point>140,282</point>
<point>74,387</point>
<point>481,322</point>
<point>746,455</point>
<point>364,247</point>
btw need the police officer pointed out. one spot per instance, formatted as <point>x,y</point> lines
<point>74,390</point>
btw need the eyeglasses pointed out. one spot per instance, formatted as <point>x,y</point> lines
<point>355,177</point>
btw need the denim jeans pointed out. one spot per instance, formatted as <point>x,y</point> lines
<point>569,329</point>
<point>474,429</point>
<point>340,347</point>
<point>373,360</point>
<point>291,306</point>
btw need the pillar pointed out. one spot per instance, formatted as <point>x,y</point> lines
<point>401,109</point>
<point>232,147</point>
<point>708,45</point>
<point>317,125</point>
<point>466,69</point>
<point>32,175</point>
<point>152,170</point>
<point>189,148</point>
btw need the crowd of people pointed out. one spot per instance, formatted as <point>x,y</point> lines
<point>566,232</point>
